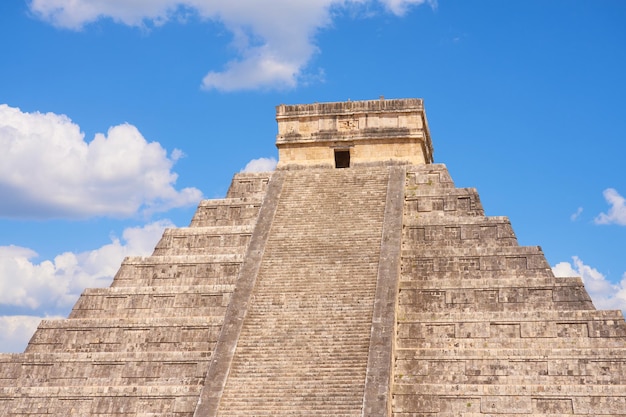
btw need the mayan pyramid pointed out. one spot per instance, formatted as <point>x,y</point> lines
<point>355,280</point>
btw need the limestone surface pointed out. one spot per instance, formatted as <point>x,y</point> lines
<point>355,280</point>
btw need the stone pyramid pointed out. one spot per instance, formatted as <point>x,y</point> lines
<point>355,280</point>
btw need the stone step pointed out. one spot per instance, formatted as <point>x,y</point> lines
<point>126,335</point>
<point>179,270</point>
<point>614,316</point>
<point>503,294</point>
<point>475,251</point>
<point>284,305</point>
<point>182,232</point>
<point>308,373</point>
<point>96,357</point>
<point>254,412</point>
<point>516,370</point>
<point>521,330</point>
<point>418,232</point>
<point>259,383</point>
<point>181,301</point>
<point>504,281</point>
<point>538,390</point>
<point>158,291</point>
<point>226,212</point>
<point>469,274</point>
<point>249,185</point>
<point>436,202</point>
<point>294,403</point>
<point>139,401</point>
<point>509,343</point>
<point>180,260</point>
<point>326,275</point>
<point>307,395</point>
<point>262,408</point>
<point>204,240</point>
<point>300,366</point>
<point>500,400</point>
<point>427,264</point>
<point>333,314</point>
<point>157,312</point>
<point>104,369</point>
<point>549,406</point>
<point>319,347</point>
<point>489,303</point>
<point>428,176</point>
<point>544,353</point>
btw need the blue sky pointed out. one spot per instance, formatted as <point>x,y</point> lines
<point>116,117</point>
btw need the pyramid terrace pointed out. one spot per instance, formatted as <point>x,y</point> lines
<point>354,280</point>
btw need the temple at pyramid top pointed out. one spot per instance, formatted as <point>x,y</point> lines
<point>352,133</point>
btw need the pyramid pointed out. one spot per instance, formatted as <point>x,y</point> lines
<point>354,280</point>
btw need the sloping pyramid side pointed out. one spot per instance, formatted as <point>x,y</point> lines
<point>483,326</point>
<point>366,291</point>
<point>143,346</point>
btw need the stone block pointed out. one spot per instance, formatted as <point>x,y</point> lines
<point>472,330</point>
<point>460,296</point>
<point>505,330</point>
<point>572,329</point>
<point>568,367</point>
<point>416,402</point>
<point>553,405</point>
<point>506,405</point>
<point>536,329</point>
<point>607,328</point>
<point>599,404</point>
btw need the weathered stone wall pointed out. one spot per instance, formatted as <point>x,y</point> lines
<point>372,131</point>
<point>143,346</point>
<point>484,328</point>
<point>321,154</point>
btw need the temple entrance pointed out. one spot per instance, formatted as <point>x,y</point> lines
<point>342,159</point>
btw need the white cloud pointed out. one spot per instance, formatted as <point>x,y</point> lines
<point>617,212</point>
<point>576,215</point>
<point>605,295</point>
<point>51,287</point>
<point>16,331</point>
<point>258,68</point>
<point>400,7</point>
<point>54,285</point>
<point>260,165</point>
<point>274,40</point>
<point>48,170</point>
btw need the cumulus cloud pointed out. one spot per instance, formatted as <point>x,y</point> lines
<point>260,165</point>
<point>47,170</point>
<point>617,212</point>
<point>16,331</point>
<point>274,41</point>
<point>53,285</point>
<point>605,294</point>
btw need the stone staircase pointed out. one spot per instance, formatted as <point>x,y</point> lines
<point>143,346</point>
<point>303,347</point>
<point>483,326</point>
<point>368,291</point>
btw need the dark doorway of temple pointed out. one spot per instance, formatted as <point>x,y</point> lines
<point>342,159</point>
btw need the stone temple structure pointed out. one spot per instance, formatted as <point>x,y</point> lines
<point>355,280</point>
